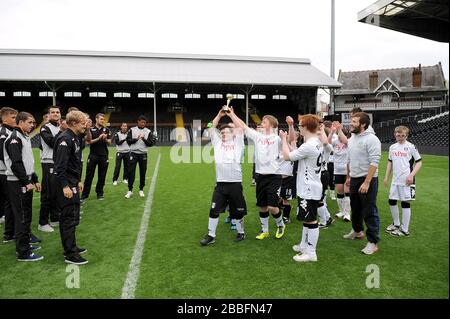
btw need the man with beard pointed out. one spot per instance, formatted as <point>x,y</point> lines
<point>364,151</point>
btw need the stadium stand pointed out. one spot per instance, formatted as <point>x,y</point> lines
<point>427,131</point>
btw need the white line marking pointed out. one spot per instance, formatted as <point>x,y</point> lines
<point>129,287</point>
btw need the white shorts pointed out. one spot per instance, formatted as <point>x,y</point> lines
<point>402,192</point>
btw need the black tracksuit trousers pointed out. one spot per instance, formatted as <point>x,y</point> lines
<point>69,219</point>
<point>93,162</point>
<point>21,205</point>
<point>134,160</point>
<point>48,195</point>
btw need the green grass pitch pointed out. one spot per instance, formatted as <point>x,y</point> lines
<point>174,265</point>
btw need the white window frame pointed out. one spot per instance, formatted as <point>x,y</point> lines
<point>279,97</point>
<point>146,95</point>
<point>22,94</point>
<point>192,96</point>
<point>238,96</point>
<point>122,94</point>
<point>258,97</point>
<point>46,94</point>
<point>97,94</point>
<point>215,96</point>
<point>169,95</point>
<point>72,94</point>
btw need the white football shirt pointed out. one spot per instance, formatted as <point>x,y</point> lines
<point>340,152</point>
<point>402,157</point>
<point>310,157</point>
<point>228,157</point>
<point>286,167</point>
<point>267,152</point>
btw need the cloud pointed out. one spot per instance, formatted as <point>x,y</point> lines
<point>286,28</point>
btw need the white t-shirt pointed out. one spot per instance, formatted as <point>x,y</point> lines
<point>228,157</point>
<point>267,151</point>
<point>340,153</point>
<point>309,156</point>
<point>286,167</point>
<point>327,150</point>
<point>402,157</point>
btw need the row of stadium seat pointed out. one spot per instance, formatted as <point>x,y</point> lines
<point>433,131</point>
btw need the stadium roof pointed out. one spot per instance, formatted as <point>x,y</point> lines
<point>97,66</point>
<point>423,18</point>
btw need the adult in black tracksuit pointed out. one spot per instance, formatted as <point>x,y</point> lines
<point>68,165</point>
<point>139,138</point>
<point>48,195</point>
<point>122,154</point>
<point>21,180</point>
<point>8,116</point>
<point>98,137</point>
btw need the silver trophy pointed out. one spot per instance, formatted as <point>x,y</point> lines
<point>226,108</point>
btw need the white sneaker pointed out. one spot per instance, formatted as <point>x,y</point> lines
<point>322,226</point>
<point>115,183</point>
<point>354,235</point>
<point>303,258</point>
<point>399,232</point>
<point>391,227</point>
<point>340,215</point>
<point>332,195</point>
<point>54,224</point>
<point>347,218</point>
<point>141,193</point>
<point>46,228</point>
<point>370,249</point>
<point>298,249</point>
<point>125,181</point>
<point>2,220</point>
<point>128,194</point>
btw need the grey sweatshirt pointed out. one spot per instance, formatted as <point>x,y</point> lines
<point>363,150</point>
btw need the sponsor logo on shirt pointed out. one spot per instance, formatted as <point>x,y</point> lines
<point>228,147</point>
<point>399,154</point>
<point>265,142</point>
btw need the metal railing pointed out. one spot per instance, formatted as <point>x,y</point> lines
<point>372,106</point>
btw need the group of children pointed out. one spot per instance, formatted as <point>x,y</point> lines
<point>309,148</point>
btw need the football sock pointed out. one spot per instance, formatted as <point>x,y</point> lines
<point>212,226</point>
<point>264,217</point>
<point>340,202</point>
<point>406,217</point>
<point>347,203</point>
<point>279,219</point>
<point>303,242</point>
<point>239,225</point>
<point>322,212</point>
<point>395,215</point>
<point>313,238</point>
<point>287,210</point>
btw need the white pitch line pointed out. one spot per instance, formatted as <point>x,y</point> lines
<point>129,287</point>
